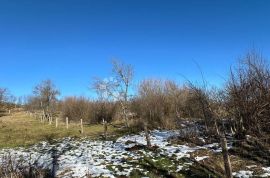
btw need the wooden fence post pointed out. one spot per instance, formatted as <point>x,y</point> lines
<point>50,120</point>
<point>81,126</point>
<point>67,122</point>
<point>105,130</point>
<point>56,122</point>
<point>226,158</point>
<point>148,143</point>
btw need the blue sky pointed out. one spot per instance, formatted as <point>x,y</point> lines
<point>72,41</point>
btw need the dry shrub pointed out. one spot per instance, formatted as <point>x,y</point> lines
<point>248,96</point>
<point>13,168</point>
<point>104,110</point>
<point>5,101</point>
<point>178,99</point>
<point>76,108</point>
<point>209,104</point>
<point>153,105</point>
<point>162,102</point>
<point>32,104</point>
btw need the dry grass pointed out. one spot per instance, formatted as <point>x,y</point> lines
<point>22,130</point>
<point>215,163</point>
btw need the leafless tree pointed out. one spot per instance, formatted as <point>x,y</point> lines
<point>3,100</point>
<point>3,95</point>
<point>47,94</point>
<point>117,87</point>
<point>20,101</point>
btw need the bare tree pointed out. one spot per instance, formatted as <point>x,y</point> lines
<point>3,95</point>
<point>20,101</point>
<point>117,88</point>
<point>12,101</point>
<point>3,99</point>
<point>46,94</point>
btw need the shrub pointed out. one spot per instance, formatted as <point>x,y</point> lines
<point>162,102</point>
<point>248,95</point>
<point>76,108</point>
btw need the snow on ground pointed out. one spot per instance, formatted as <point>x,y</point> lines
<point>247,174</point>
<point>243,174</point>
<point>200,158</point>
<point>80,158</point>
<point>267,172</point>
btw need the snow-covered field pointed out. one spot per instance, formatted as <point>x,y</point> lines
<point>81,158</point>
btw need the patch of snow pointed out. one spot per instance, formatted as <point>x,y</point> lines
<point>243,174</point>
<point>81,158</point>
<point>200,158</point>
<point>251,166</point>
<point>267,172</point>
<point>202,139</point>
<point>179,168</point>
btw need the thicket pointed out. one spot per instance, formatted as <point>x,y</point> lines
<point>92,112</point>
<point>248,96</point>
<point>243,103</point>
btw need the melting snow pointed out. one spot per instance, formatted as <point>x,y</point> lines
<point>81,158</point>
<point>243,174</point>
<point>267,172</point>
<point>198,158</point>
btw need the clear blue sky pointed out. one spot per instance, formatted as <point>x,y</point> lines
<point>72,41</point>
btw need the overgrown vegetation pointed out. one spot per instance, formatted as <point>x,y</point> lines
<point>248,96</point>
<point>244,101</point>
<point>241,108</point>
<point>89,111</point>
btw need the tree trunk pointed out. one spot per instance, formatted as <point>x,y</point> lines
<point>147,137</point>
<point>126,119</point>
<point>216,127</point>
<point>124,110</point>
<point>50,120</point>
<point>226,158</point>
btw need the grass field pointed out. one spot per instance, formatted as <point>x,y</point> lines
<point>22,130</point>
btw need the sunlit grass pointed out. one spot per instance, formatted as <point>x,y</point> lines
<point>23,130</point>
